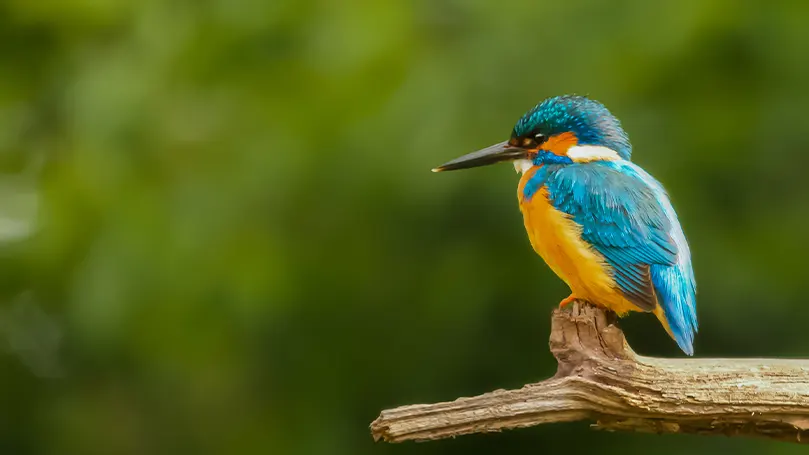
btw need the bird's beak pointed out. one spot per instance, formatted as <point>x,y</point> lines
<point>490,155</point>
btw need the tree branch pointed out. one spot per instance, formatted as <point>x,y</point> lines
<point>600,378</point>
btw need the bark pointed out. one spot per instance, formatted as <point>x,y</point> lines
<point>600,378</point>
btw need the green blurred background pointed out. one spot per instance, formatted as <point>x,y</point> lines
<point>221,235</point>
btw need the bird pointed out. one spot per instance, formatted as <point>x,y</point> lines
<point>601,223</point>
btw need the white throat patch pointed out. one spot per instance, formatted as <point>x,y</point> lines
<point>522,166</point>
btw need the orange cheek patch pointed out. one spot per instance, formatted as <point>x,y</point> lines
<point>559,144</point>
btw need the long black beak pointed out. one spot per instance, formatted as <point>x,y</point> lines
<point>493,154</point>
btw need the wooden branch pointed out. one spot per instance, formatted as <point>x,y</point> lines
<point>600,378</point>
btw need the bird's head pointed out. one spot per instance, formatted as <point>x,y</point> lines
<point>560,130</point>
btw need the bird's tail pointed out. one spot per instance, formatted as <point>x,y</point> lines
<point>676,296</point>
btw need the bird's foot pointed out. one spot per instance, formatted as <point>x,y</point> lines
<point>567,300</point>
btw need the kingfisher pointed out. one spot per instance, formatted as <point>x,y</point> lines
<point>604,225</point>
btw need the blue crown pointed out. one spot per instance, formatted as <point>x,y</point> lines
<point>589,120</point>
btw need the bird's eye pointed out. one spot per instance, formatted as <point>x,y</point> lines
<point>540,138</point>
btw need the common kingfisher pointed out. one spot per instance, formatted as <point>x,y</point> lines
<point>601,223</point>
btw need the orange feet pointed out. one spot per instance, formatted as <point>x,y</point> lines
<point>567,300</point>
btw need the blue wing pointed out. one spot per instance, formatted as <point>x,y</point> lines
<point>621,219</point>
<point>625,215</point>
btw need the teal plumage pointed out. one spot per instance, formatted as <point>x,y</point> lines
<point>588,119</point>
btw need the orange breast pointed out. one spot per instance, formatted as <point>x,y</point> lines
<point>557,239</point>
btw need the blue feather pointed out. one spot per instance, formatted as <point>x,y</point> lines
<point>537,180</point>
<point>674,285</point>
<point>626,216</point>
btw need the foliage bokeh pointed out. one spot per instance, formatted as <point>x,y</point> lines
<point>222,235</point>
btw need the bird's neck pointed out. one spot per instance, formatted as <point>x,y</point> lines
<point>589,153</point>
<point>574,154</point>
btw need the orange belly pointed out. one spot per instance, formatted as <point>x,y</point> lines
<point>557,239</point>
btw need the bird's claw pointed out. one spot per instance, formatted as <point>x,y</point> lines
<point>567,300</point>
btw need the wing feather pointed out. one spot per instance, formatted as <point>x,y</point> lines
<point>622,219</point>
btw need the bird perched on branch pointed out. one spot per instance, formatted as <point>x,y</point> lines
<point>602,224</point>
